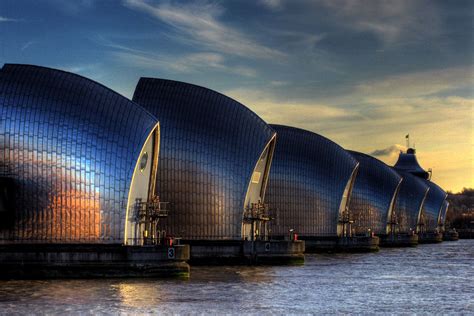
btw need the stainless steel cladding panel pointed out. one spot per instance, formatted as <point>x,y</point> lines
<point>71,146</point>
<point>309,177</point>
<point>373,196</point>
<point>430,215</point>
<point>210,145</point>
<point>409,202</point>
<point>407,162</point>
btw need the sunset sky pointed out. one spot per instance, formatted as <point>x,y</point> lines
<point>362,73</point>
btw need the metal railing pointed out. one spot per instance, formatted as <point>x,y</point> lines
<point>257,215</point>
<point>147,216</point>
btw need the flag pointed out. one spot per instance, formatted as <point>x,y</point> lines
<point>407,136</point>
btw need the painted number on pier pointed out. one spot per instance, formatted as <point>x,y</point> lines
<point>171,253</point>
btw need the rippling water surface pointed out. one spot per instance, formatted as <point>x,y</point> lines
<point>429,279</point>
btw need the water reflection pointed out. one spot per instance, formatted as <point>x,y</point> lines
<point>137,294</point>
<point>427,279</point>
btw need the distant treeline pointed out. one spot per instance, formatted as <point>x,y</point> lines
<point>461,209</point>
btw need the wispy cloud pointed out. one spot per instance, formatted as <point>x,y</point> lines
<point>72,6</point>
<point>104,41</point>
<point>278,83</point>
<point>175,63</point>
<point>272,4</point>
<point>390,21</point>
<point>186,63</point>
<point>91,70</point>
<point>304,114</point>
<point>298,41</point>
<point>418,84</point>
<point>243,71</point>
<point>393,150</point>
<point>199,24</point>
<point>27,45</point>
<point>79,68</point>
<point>5,19</point>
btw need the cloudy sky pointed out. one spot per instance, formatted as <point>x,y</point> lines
<point>363,73</point>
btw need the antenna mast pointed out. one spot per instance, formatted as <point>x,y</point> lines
<point>407,137</point>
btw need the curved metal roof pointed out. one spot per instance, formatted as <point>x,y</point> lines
<point>210,145</point>
<point>309,177</point>
<point>409,202</point>
<point>407,162</point>
<point>432,207</point>
<point>71,146</point>
<point>373,196</point>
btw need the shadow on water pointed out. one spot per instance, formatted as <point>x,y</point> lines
<point>427,279</point>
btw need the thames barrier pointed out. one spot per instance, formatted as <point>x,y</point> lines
<point>93,184</point>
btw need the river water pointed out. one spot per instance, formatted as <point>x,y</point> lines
<point>428,279</point>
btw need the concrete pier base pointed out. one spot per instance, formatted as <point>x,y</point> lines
<point>223,252</point>
<point>430,238</point>
<point>359,244</point>
<point>399,240</point>
<point>32,261</point>
<point>322,244</point>
<point>343,244</point>
<point>450,235</point>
